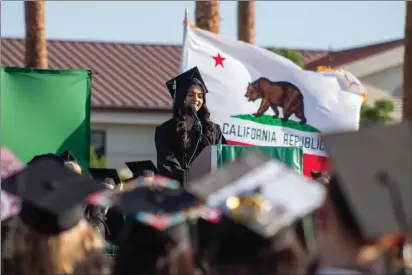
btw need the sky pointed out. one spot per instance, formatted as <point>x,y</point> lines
<point>291,24</point>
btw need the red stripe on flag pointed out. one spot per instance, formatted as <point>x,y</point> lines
<point>314,162</point>
<point>310,162</point>
<point>238,143</point>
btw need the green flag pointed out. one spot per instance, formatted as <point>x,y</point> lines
<point>46,111</point>
<point>290,156</point>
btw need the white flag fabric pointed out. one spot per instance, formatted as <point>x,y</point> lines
<point>261,98</point>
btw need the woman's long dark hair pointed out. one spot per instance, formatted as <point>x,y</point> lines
<point>144,250</point>
<point>203,113</point>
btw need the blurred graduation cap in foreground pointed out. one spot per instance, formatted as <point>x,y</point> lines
<point>141,168</point>
<point>373,168</point>
<point>46,156</point>
<point>182,81</point>
<point>52,195</point>
<point>155,222</point>
<point>156,201</point>
<point>259,193</point>
<point>162,208</point>
<point>109,176</point>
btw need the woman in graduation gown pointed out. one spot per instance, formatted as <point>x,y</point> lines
<point>183,137</point>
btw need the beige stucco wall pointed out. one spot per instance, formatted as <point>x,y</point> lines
<point>387,80</point>
<point>381,74</point>
<point>127,142</point>
<point>129,135</point>
<point>382,84</point>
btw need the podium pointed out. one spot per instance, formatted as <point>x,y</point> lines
<point>214,157</point>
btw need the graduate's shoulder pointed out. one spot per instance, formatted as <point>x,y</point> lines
<point>166,126</point>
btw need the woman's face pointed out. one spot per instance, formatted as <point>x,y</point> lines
<point>194,97</point>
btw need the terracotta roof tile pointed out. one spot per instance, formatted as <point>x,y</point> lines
<point>338,58</point>
<point>131,76</point>
<point>128,76</point>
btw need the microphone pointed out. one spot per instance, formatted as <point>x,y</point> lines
<point>191,110</point>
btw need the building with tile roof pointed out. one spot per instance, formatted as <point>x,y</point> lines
<point>129,97</point>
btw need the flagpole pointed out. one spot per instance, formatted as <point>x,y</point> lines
<point>185,23</point>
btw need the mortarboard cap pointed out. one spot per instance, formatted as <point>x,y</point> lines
<point>162,205</point>
<point>261,194</point>
<point>138,167</point>
<point>46,156</point>
<point>52,195</point>
<point>373,171</point>
<point>163,200</point>
<point>158,207</point>
<point>173,84</point>
<point>102,174</point>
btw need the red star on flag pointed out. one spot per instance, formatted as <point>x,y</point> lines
<point>219,60</point>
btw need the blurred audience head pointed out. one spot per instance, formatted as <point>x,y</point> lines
<point>38,253</point>
<point>338,238</point>
<point>238,250</point>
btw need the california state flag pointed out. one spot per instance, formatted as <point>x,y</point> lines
<point>261,98</point>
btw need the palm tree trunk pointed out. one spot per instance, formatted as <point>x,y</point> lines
<point>207,15</point>
<point>246,21</point>
<point>36,45</point>
<point>407,65</point>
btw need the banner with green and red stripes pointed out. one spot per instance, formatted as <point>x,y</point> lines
<point>310,161</point>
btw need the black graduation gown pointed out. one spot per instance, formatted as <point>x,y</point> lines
<point>172,160</point>
<point>141,246</point>
<point>115,222</point>
<point>94,214</point>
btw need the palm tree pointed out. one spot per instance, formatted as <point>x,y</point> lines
<point>207,15</point>
<point>407,65</point>
<point>36,45</point>
<point>246,21</point>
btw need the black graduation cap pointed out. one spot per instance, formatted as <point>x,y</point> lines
<point>148,236</point>
<point>147,204</point>
<point>52,195</point>
<point>103,174</point>
<point>156,201</point>
<point>259,193</point>
<point>68,156</point>
<point>46,156</point>
<point>373,171</point>
<point>138,168</point>
<point>182,79</point>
